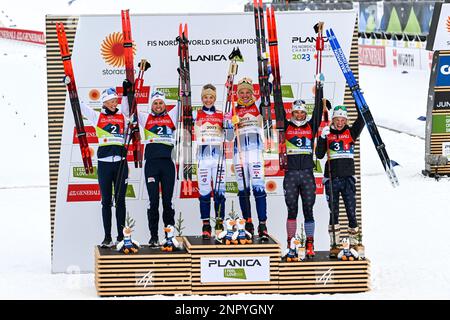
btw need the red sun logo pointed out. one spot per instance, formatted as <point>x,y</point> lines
<point>112,50</point>
<point>448,24</point>
<point>94,94</point>
<point>271,186</point>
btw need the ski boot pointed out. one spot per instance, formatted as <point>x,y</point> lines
<point>334,240</point>
<point>206,231</point>
<point>107,242</point>
<point>352,234</point>
<point>310,247</point>
<point>153,242</point>
<point>119,239</point>
<point>262,232</point>
<point>249,227</point>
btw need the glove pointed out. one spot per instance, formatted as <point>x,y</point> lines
<point>227,116</point>
<point>328,104</point>
<point>320,78</point>
<point>325,132</point>
<point>235,120</point>
<point>133,124</point>
<point>146,66</point>
<point>126,85</point>
<point>66,80</point>
<point>133,120</point>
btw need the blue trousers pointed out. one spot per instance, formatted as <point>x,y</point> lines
<point>160,171</point>
<point>345,187</point>
<point>300,183</point>
<point>107,177</point>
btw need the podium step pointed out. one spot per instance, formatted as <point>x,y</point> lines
<point>205,267</point>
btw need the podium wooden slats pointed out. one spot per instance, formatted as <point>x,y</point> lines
<point>323,275</point>
<point>153,272</point>
<point>148,272</point>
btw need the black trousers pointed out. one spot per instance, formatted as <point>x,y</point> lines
<point>160,172</point>
<point>345,187</point>
<point>107,177</point>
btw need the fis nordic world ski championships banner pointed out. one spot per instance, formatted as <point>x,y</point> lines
<point>99,63</point>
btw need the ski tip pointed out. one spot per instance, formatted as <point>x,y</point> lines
<point>395,183</point>
<point>144,65</point>
<point>327,104</point>
<point>236,53</point>
<point>316,27</point>
<point>125,15</point>
<point>392,177</point>
<point>328,33</point>
<point>60,26</point>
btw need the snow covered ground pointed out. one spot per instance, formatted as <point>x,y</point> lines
<point>396,99</point>
<point>404,233</point>
<point>404,229</point>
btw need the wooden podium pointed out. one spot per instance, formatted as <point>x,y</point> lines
<point>204,267</point>
<point>324,275</point>
<point>148,272</point>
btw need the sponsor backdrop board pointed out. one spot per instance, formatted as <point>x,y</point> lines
<point>437,135</point>
<point>29,36</point>
<point>98,64</point>
<point>437,139</point>
<point>399,55</point>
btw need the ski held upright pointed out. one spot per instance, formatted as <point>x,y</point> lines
<point>362,107</point>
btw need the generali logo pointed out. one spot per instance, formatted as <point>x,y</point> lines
<point>91,135</point>
<point>112,50</point>
<point>83,192</point>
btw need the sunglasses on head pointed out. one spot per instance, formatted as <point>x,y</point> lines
<point>157,93</point>
<point>340,108</point>
<point>299,102</point>
<point>246,80</point>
